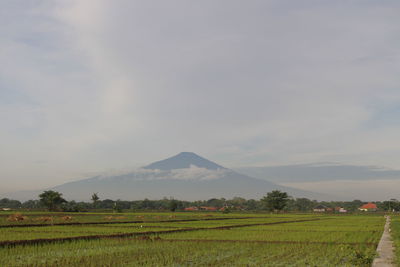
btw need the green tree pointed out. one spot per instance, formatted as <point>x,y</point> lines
<point>303,204</point>
<point>9,203</point>
<point>117,207</point>
<point>253,204</point>
<point>391,205</point>
<point>32,204</point>
<point>73,206</point>
<point>95,199</point>
<point>173,204</point>
<point>51,199</point>
<point>275,200</point>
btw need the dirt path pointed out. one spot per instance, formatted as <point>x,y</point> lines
<point>385,248</point>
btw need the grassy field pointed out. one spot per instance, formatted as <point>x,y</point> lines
<point>49,218</point>
<point>163,239</point>
<point>395,227</point>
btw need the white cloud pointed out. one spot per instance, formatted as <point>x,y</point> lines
<point>94,85</point>
<point>196,173</point>
<point>192,173</point>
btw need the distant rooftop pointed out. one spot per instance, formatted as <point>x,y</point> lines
<point>369,206</point>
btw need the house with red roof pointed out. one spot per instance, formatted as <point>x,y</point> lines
<point>208,208</point>
<point>368,207</point>
<point>191,209</point>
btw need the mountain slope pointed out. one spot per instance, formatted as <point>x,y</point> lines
<point>347,182</point>
<point>182,161</point>
<point>319,172</point>
<point>185,176</point>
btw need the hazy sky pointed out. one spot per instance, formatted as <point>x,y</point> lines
<point>91,85</point>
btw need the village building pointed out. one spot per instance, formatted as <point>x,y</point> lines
<point>191,209</point>
<point>203,208</point>
<point>340,209</point>
<point>368,207</point>
<point>320,208</point>
<point>208,208</point>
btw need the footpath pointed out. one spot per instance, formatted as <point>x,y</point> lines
<point>385,248</point>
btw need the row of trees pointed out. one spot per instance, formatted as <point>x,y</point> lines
<point>272,201</point>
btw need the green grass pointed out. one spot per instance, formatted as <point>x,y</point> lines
<point>38,217</point>
<point>255,234</point>
<point>340,230</point>
<point>32,232</point>
<point>395,227</point>
<point>330,241</point>
<point>63,232</point>
<point>125,252</point>
<point>87,217</point>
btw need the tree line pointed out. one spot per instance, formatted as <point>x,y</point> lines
<point>272,201</point>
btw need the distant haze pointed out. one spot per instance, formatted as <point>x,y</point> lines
<point>320,172</point>
<point>343,181</point>
<point>186,176</point>
<point>101,86</point>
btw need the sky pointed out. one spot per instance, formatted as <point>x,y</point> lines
<point>101,85</point>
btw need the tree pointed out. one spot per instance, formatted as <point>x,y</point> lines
<point>73,206</point>
<point>391,205</point>
<point>275,200</point>
<point>95,199</point>
<point>9,203</point>
<point>32,204</point>
<point>118,206</point>
<point>214,202</point>
<point>253,204</point>
<point>303,204</point>
<point>106,204</point>
<point>51,199</point>
<point>173,204</point>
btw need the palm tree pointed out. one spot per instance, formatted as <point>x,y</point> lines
<point>95,199</point>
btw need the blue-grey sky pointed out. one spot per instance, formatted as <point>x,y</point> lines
<point>99,85</point>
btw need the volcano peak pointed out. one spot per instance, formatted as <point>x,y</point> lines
<point>184,160</point>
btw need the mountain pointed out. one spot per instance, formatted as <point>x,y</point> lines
<point>182,161</point>
<point>319,172</point>
<point>185,176</point>
<point>346,182</point>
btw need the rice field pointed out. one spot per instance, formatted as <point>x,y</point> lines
<point>50,218</point>
<point>195,240</point>
<point>395,227</point>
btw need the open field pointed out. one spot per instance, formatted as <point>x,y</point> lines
<point>228,239</point>
<point>49,218</point>
<point>395,227</point>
